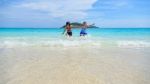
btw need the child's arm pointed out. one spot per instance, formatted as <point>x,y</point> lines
<point>64,31</point>
<point>91,25</point>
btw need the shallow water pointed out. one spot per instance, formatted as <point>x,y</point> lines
<point>121,37</point>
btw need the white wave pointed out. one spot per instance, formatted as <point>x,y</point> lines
<point>76,42</point>
<point>48,42</point>
<point>133,44</point>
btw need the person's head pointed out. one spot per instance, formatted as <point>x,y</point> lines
<point>84,23</point>
<point>67,23</point>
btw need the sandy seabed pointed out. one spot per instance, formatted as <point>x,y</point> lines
<point>74,65</point>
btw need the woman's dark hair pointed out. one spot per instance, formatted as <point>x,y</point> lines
<point>68,23</point>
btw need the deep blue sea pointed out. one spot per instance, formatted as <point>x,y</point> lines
<point>120,37</point>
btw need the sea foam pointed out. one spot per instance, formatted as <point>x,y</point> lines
<point>74,42</point>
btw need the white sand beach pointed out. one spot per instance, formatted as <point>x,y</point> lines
<point>74,65</point>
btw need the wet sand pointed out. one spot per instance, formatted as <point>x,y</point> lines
<point>74,65</point>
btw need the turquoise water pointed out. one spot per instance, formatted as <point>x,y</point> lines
<point>134,36</point>
<point>121,33</point>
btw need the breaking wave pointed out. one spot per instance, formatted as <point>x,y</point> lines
<point>77,42</point>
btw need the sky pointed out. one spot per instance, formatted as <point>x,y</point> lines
<point>55,13</point>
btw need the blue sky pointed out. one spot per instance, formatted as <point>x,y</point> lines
<point>54,13</point>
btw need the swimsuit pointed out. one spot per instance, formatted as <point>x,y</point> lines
<point>83,32</point>
<point>69,33</point>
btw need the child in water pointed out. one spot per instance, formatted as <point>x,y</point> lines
<point>83,30</point>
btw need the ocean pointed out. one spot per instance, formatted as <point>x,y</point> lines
<point>104,37</point>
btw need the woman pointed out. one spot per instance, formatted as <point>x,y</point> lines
<point>68,30</point>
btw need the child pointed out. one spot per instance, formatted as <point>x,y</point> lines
<point>83,30</point>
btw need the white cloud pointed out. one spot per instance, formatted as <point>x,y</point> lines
<point>115,4</point>
<point>126,23</point>
<point>60,8</point>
